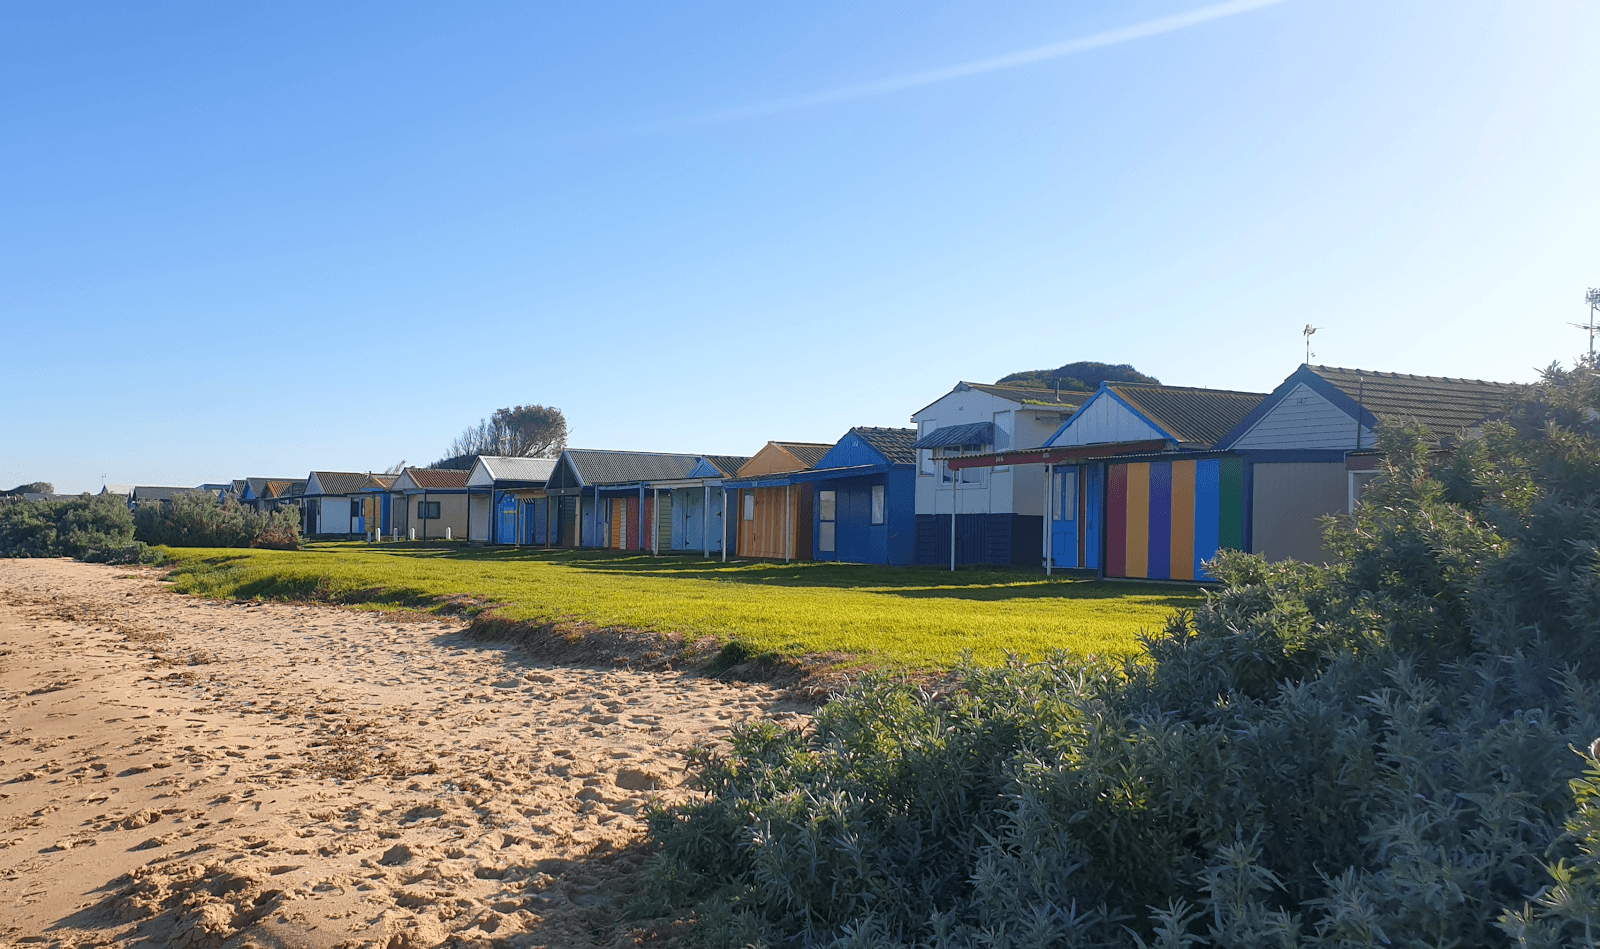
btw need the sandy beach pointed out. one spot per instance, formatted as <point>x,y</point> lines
<point>185,772</point>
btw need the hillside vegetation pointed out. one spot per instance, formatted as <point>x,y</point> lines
<point>1390,752</point>
<point>1076,375</point>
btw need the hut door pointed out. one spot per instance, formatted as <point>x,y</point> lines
<point>1064,518</point>
<point>507,534</point>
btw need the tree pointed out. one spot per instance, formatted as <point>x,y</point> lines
<point>1077,375</point>
<point>36,487</point>
<point>521,431</point>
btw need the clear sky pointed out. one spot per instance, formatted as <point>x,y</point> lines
<point>258,239</point>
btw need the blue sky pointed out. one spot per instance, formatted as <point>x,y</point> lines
<point>260,239</point>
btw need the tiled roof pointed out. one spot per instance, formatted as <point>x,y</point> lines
<point>893,443</point>
<point>1444,405</point>
<point>1198,418</point>
<point>1070,398</point>
<point>350,482</point>
<point>727,464</point>
<point>623,467</point>
<point>436,478</point>
<point>807,453</point>
<point>503,468</point>
<point>282,488</point>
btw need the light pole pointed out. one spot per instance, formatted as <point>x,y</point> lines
<point>1593,299</point>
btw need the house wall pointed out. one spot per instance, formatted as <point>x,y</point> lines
<point>1288,500</point>
<point>688,514</point>
<point>763,534</point>
<point>856,539</point>
<point>334,516</point>
<point>1104,420</point>
<point>1013,489</point>
<point>1164,519</point>
<point>452,515</point>
<point>1303,420</point>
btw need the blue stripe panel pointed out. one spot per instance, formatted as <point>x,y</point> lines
<point>1207,513</point>
<point>1159,563</point>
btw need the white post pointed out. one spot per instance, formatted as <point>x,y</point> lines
<point>1049,518</point>
<point>447,534</point>
<point>953,485</point>
<point>413,533</point>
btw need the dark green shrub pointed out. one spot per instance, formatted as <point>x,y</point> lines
<point>198,519</point>
<point>1376,753</point>
<point>96,528</point>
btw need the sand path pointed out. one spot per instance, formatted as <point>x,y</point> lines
<point>186,772</point>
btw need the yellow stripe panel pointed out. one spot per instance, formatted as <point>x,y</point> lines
<point>1183,520</point>
<point>1138,520</point>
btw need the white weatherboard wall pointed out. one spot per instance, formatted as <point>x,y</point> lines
<point>1105,420</point>
<point>1304,420</point>
<point>478,518</point>
<point>1007,489</point>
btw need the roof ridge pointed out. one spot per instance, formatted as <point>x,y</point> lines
<point>1163,385</point>
<point>1411,375</point>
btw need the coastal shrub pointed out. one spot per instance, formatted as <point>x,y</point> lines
<point>1390,751</point>
<point>96,528</point>
<point>197,519</point>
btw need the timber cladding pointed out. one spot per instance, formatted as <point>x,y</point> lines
<point>761,519</point>
<point>1165,519</point>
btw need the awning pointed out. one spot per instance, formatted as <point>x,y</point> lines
<point>972,435</point>
<point>1054,456</point>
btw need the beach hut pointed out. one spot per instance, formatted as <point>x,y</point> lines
<point>506,500</point>
<point>773,514</point>
<point>432,502</point>
<point>343,503</point>
<point>998,511</point>
<point>692,510</point>
<point>865,497</point>
<point>586,484</point>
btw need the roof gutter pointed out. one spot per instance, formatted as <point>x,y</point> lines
<point>1053,456</point>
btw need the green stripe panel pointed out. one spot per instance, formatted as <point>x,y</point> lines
<point>1230,514</point>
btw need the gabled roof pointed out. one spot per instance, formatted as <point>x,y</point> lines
<point>1022,395</point>
<point>807,453</point>
<point>729,465</point>
<point>283,488</point>
<point>1193,417</point>
<point>1444,405</point>
<point>347,482</point>
<point>594,466</point>
<point>505,468</point>
<point>122,489</point>
<point>892,443</point>
<point>430,479</point>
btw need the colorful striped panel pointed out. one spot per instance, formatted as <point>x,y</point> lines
<point>1207,476</point>
<point>1116,520</point>
<point>1160,526</point>
<point>1138,533</point>
<point>1230,503</point>
<point>1183,526</point>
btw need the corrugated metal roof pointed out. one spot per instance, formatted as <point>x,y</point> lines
<point>436,478</point>
<point>504,468</point>
<point>350,482</point>
<point>892,443</point>
<point>1443,404</point>
<point>624,467</point>
<point>1197,418</point>
<point>971,435</point>
<point>807,453</point>
<point>729,465</point>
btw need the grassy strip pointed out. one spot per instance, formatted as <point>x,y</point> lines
<point>901,617</point>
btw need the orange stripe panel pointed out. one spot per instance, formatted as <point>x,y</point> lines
<point>1183,520</point>
<point>1138,520</point>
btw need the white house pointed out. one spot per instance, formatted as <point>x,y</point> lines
<point>999,511</point>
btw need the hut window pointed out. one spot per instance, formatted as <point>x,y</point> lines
<point>427,510</point>
<point>750,506</point>
<point>877,503</point>
<point>825,520</point>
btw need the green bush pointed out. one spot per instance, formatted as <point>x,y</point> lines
<point>198,519</point>
<point>1378,753</point>
<point>96,528</point>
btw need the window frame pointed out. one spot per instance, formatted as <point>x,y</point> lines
<point>879,513</point>
<point>428,511</point>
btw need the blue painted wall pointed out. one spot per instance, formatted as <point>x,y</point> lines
<point>856,538</point>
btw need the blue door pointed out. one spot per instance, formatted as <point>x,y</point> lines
<point>1064,518</point>
<point>692,518</point>
<point>1094,499</point>
<point>507,534</point>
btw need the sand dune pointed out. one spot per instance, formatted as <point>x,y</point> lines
<point>193,773</point>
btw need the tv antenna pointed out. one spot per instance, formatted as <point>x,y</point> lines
<point>1307,334</point>
<point>1593,299</point>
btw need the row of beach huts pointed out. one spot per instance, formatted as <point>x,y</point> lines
<point>1133,480</point>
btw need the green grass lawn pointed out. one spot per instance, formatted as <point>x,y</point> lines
<point>901,617</point>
